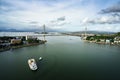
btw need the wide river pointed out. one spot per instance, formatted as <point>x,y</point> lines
<point>64,58</point>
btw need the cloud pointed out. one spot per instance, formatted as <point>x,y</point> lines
<point>108,19</point>
<point>58,23</point>
<point>34,22</point>
<point>112,9</point>
<point>61,18</point>
<point>7,6</point>
<point>65,14</point>
<point>85,20</point>
<point>110,15</point>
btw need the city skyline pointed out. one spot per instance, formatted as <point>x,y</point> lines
<point>60,15</point>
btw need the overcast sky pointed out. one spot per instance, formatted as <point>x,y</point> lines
<point>66,15</point>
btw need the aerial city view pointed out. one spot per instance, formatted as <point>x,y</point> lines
<point>59,39</point>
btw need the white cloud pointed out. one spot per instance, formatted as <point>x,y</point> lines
<point>64,14</point>
<point>108,19</point>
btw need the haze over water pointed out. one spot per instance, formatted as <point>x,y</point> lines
<point>64,58</point>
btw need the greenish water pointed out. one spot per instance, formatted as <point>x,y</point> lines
<point>64,58</point>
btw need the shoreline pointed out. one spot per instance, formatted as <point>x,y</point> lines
<point>103,43</point>
<point>21,46</point>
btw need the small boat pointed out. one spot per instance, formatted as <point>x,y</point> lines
<point>40,58</point>
<point>32,64</point>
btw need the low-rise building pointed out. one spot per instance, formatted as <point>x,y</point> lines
<point>30,37</point>
<point>102,40</point>
<point>15,41</point>
<point>117,40</point>
<point>107,41</point>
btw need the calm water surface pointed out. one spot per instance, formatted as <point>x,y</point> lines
<point>64,58</point>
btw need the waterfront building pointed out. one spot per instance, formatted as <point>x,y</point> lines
<point>102,40</point>
<point>107,41</point>
<point>15,41</point>
<point>30,37</point>
<point>117,40</point>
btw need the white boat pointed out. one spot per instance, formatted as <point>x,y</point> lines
<point>40,58</point>
<point>32,64</point>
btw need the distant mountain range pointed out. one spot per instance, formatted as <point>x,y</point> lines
<point>10,30</point>
<point>25,30</point>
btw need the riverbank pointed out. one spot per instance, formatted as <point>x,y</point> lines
<point>21,46</point>
<point>104,43</point>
